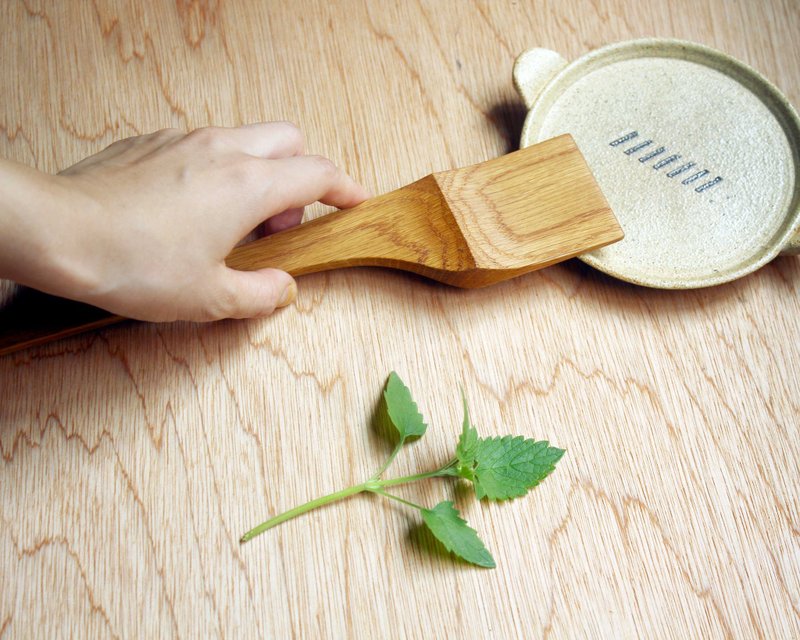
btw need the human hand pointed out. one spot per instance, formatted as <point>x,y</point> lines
<point>142,228</point>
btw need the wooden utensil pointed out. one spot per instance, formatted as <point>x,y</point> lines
<point>467,227</point>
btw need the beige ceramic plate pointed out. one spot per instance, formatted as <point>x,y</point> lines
<point>696,152</point>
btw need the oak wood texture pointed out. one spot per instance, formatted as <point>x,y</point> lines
<point>131,460</point>
<point>468,227</point>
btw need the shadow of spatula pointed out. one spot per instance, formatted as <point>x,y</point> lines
<point>467,227</point>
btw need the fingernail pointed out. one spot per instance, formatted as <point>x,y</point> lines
<point>289,294</point>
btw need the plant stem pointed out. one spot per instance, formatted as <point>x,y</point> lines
<point>381,492</point>
<point>373,485</point>
<point>418,476</point>
<point>391,458</point>
<point>303,508</point>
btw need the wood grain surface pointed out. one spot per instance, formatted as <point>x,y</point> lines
<point>134,458</point>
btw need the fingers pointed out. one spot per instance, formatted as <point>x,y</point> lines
<point>298,181</point>
<point>270,139</point>
<point>250,294</point>
<point>263,140</point>
<point>284,220</point>
<point>293,180</point>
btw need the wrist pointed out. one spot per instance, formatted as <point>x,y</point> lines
<point>39,222</point>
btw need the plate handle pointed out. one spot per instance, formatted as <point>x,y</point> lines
<point>533,69</point>
<point>792,248</point>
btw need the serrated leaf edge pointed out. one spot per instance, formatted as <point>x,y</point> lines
<point>394,376</point>
<point>480,492</point>
<point>490,565</point>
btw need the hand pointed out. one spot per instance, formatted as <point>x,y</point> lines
<point>142,228</point>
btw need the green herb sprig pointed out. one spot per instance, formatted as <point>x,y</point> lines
<point>499,468</point>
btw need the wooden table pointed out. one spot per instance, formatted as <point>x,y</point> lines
<point>134,458</point>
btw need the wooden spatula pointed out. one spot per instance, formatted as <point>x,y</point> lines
<point>467,227</point>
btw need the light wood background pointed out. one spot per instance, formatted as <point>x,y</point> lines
<point>134,458</point>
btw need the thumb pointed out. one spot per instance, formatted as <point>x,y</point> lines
<point>258,293</point>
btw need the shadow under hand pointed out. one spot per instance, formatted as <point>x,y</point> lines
<point>29,317</point>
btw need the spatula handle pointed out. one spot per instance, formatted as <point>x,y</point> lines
<point>409,228</point>
<point>340,239</point>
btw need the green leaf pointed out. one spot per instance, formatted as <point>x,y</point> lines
<point>467,445</point>
<point>507,467</point>
<point>402,409</point>
<point>456,535</point>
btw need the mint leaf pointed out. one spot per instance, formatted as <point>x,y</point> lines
<point>402,409</point>
<point>507,467</point>
<point>467,445</point>
<point>456,535</point>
